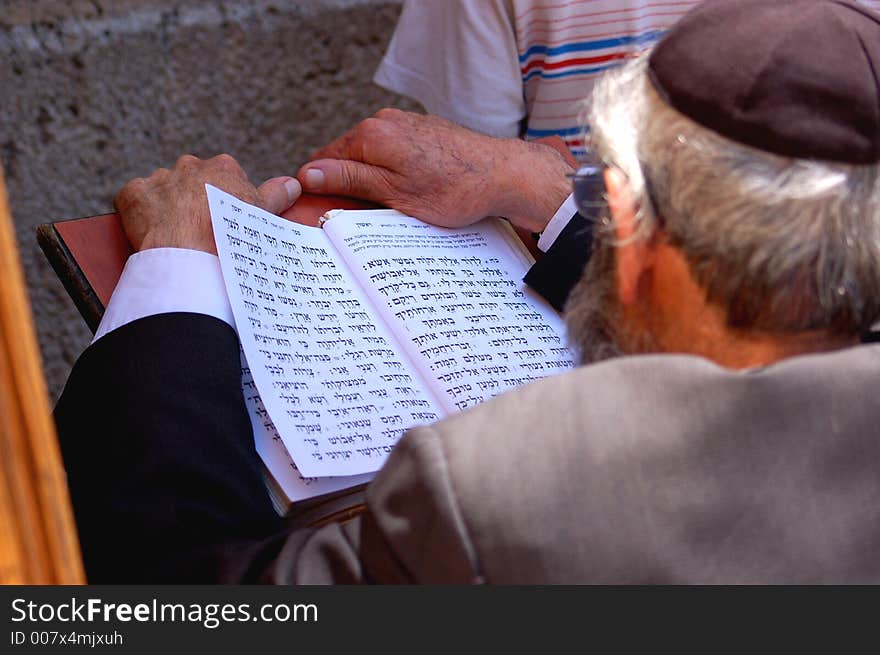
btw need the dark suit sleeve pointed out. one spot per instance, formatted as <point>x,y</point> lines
<point>872,336</point>
<point>556,273</point>
<point>159,453</point>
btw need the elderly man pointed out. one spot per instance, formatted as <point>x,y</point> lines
<point>729,435</point>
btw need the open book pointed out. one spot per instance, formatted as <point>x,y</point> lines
<point>353,333</point>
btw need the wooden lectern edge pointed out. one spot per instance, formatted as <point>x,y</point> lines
<point>38,541</point>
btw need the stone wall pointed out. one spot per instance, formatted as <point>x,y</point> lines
<point>95,92</point>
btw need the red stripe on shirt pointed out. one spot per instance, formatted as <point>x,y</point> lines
<point>565,63</point>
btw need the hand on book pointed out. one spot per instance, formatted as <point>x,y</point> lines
<point>435,170</point>
<point>169,209</point>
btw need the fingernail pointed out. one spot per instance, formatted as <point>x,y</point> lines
<point>293,188</point>
<point>314,178</point>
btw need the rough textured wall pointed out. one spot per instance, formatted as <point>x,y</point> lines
<point>95,92</point>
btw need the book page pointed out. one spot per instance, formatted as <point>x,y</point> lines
<point>277,460</point>
<point>458,298</point>
<point>326,369</point>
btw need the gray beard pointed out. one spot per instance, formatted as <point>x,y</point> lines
<point>597,329</point>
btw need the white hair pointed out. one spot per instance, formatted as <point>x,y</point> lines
<point>781,244</point>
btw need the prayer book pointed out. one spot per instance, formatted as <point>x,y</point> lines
<point>355,331</point>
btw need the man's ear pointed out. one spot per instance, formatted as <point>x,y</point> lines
<point>633,254</point>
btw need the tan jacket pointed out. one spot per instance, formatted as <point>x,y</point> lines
<point>649,469</point>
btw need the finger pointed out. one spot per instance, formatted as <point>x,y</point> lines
<point>345,178</point>
<point>186,161</point>
<point>226,162</point>
<point>278,194</point>
<point>343,147</point>
<point>371,141</point>
<point>132,190</point>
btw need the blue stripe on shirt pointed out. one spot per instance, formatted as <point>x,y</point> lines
<point>569,131</point>
<point>600,44</point>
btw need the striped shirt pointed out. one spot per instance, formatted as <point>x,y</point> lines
<point>519,67</point>
<point>564,46</point>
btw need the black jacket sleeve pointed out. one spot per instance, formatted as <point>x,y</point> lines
<point>159,453</point>
<point>556,273</point>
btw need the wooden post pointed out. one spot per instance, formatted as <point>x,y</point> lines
<point>38,538</point>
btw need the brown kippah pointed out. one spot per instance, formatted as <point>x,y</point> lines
<point>799,78</point>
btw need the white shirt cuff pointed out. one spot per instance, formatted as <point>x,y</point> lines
<point>164,280</point>
<point>560,219</point>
